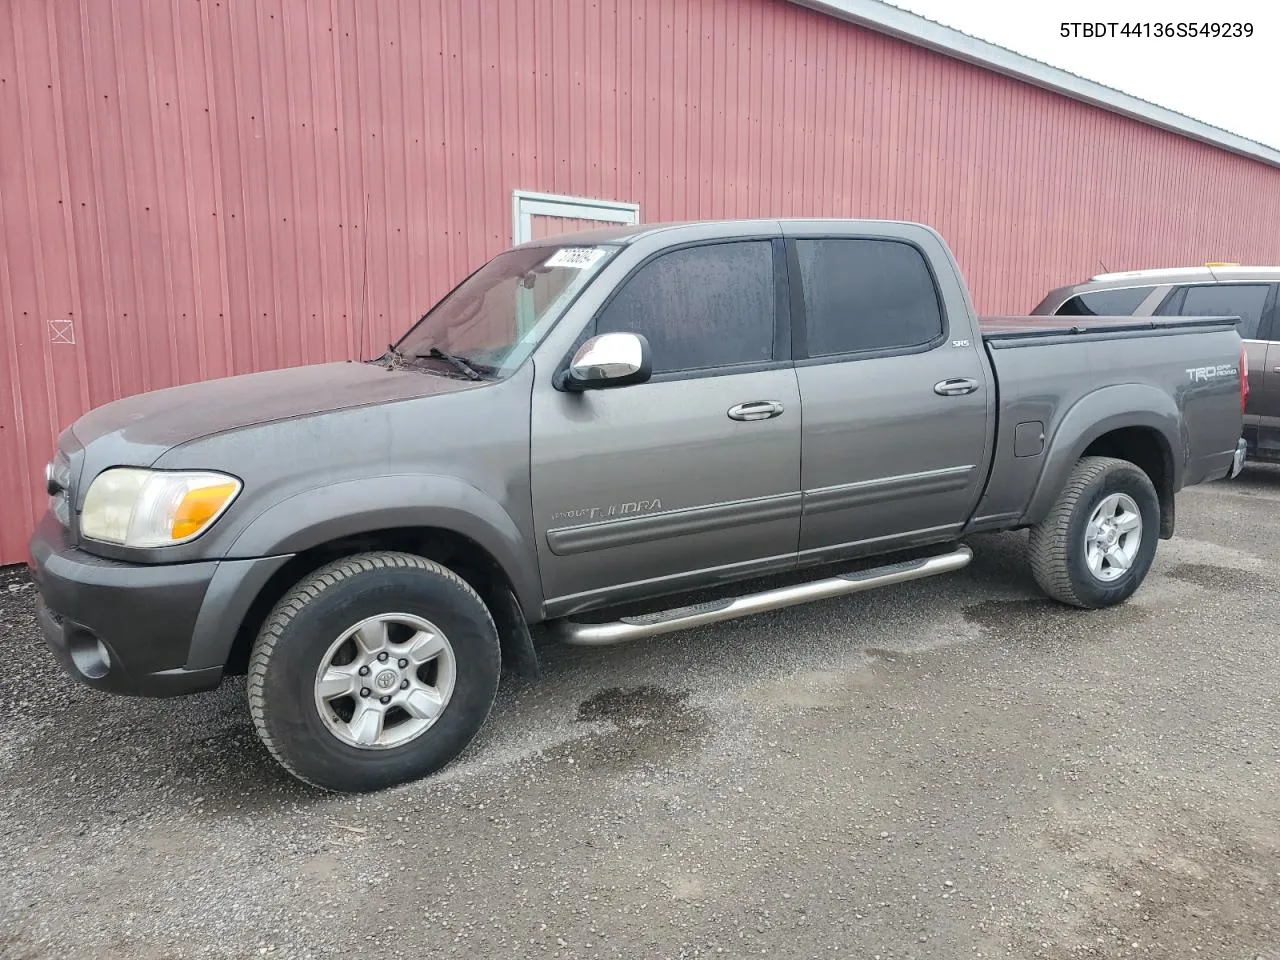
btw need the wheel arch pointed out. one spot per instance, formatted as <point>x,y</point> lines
<point>467,558</point>
<point>1134,422</point>
<point>441,518</point>
<point>1147,449</point>
<point>1058,546</point>
<point>316,740</point>
<point>360,508</point>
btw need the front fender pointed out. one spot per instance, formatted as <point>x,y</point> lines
<point>351,507</point>
<point>1096,414</point>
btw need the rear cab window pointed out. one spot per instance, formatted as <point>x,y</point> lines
<point>866,296</point>
<point>1105,303</point>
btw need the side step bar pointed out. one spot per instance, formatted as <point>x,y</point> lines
<point>715,611</point>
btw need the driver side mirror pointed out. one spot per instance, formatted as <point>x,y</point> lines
<point>609,360</point>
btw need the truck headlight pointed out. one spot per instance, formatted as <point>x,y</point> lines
<point>154,508</point>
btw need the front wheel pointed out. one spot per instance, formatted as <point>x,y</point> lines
<point>377,669</point>
<point>1097,543</point>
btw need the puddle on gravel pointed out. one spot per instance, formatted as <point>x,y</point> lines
<point>630,706</point>
<point>1213,576</point>
<point>650,725</point>
<point>1008,615</point>
<point>1032,618</point>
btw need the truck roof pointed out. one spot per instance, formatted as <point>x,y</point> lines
<point>628,233</point>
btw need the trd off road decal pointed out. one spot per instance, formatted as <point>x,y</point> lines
<point>1217,372</point>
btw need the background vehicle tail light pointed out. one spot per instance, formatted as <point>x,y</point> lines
<point>1244,377</point>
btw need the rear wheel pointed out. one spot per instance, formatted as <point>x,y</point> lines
<point>1097,543</point>
<point>375,670</point>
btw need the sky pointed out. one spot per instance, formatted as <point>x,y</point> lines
<point>1229,83</point>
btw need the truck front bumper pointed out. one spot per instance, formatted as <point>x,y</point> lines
<point>1237,464</point>
<point>150,630</point>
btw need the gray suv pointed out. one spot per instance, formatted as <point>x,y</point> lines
<point>1250,293</point>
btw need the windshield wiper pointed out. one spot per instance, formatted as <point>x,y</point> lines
<point>459,363</point>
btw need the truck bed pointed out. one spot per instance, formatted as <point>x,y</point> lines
<point>1054,371</point>
<point>1018,328</point>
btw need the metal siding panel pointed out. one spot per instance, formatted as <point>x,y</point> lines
<point>815,68</point>
<point>71,296</point>
<point>299,226</point>
<point>681,72</point>
<point>161,194</point>
<point>16,410</point>
<point>617,39</point>
<point>722,163</point>
<point>215,188</point>
<point>474,180</point>
<point>27,196</point>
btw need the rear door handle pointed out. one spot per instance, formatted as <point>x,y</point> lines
<point>756,410</point>
<point>955,388</point>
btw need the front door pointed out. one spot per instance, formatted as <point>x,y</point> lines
<point>896,405</point>
<point>666,485</point>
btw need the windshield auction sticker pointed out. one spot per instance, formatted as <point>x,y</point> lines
<point>576,257</point>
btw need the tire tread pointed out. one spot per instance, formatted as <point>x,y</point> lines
<point>1048,543</point>
<point>293,603</point>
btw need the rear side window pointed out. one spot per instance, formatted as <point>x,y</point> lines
<point>1105,303</point>
<point>1243,300</point>
<point>863,295</point>
<point>700,307</point>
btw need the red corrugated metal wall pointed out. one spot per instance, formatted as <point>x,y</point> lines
<point>197,188</point>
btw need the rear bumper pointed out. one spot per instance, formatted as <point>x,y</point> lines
<point>150,630</point>
<point>1237,463</point>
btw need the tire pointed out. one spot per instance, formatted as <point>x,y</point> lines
<point>411,603</point>
<point>1059,556</point>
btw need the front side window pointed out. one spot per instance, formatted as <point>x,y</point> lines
<point>700,307</point>
<point>1243,300</point>
<point>1105,303</point>
<point>496,317</point>
<point>866,295</point>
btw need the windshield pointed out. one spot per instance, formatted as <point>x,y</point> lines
<point>495,318</point>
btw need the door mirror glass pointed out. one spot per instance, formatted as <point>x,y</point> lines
<point>610,360</point>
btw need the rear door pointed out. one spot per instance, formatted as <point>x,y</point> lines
<point>1254,303</point>
<point>897,397</point>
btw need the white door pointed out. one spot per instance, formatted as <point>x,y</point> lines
<point>538,215</point>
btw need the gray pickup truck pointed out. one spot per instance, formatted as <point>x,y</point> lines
<point>596,421</point>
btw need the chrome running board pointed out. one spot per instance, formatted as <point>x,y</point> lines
<point>715,611</point>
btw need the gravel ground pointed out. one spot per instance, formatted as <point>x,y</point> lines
<point>952,768</point>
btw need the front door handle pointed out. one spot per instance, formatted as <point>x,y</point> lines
<point>955,388</point>
<point>756,410</point>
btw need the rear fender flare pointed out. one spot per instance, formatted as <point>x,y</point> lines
<point>1096,414</point>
